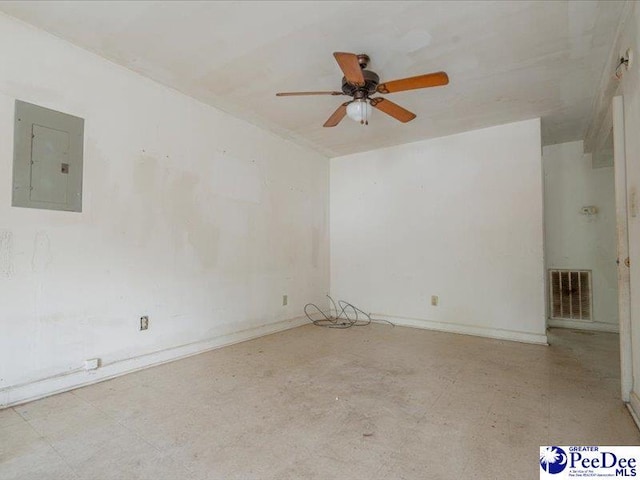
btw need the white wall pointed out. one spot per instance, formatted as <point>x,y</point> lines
<point>190,216</point>
<point>582,242</point>
<point>459,217</point>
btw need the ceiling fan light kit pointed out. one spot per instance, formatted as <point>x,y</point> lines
<point>360,83</point>
<point>360,111</point>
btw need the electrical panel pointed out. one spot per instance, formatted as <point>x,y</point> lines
<point>47,159</point>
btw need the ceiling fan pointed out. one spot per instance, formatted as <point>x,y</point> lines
<point>360,83</point>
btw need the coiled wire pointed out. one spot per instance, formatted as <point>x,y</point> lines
<point>347,316</point>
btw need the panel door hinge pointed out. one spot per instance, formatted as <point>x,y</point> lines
<point>627,262</point>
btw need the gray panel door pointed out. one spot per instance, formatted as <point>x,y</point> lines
<point>47,160</point>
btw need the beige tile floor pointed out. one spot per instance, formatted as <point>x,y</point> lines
<point>310,403</point>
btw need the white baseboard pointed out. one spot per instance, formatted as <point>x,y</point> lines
<point>498,333</point>
<point>582,325</point>
<point>26,392</point>
<point>634,408</point>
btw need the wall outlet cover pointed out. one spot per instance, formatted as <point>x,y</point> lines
<point>91,364</point>
<point>628,55</point>
<point>144,322</point>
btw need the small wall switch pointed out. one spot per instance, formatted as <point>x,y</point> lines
<point>628,55</point>
<point>91,364</point>
<point>434,300</point>
<point>285,300</point>
<point>144,322</point>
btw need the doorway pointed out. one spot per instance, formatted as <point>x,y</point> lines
<point>580,237</point>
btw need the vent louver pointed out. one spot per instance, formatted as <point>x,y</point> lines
<point>570,294</point>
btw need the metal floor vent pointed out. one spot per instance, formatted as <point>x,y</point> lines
<point>570,294</point>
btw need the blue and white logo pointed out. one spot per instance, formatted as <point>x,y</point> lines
<point>593,461</point>
<point>553,459</point>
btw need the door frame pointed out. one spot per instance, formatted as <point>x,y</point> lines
<point>622,234</point>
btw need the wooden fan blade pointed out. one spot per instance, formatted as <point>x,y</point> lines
<point>293,94</point>
<point>337,116</point>
<point>348,63</point>
<point>392,109</point>
<point>421,81</point>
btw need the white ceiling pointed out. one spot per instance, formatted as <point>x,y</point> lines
<point>507,61</point>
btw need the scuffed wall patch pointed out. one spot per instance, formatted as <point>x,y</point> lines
<point>41,253</point>
<point>6,253</point>
<point>315,247</point>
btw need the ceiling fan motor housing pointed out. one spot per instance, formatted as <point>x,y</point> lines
<point>371,80</point>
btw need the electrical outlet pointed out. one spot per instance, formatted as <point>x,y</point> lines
<point>434,300</point>
<point>91,364</point>
<point>144,322</point>
<point>285,300</point>
<point>629,57</point>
